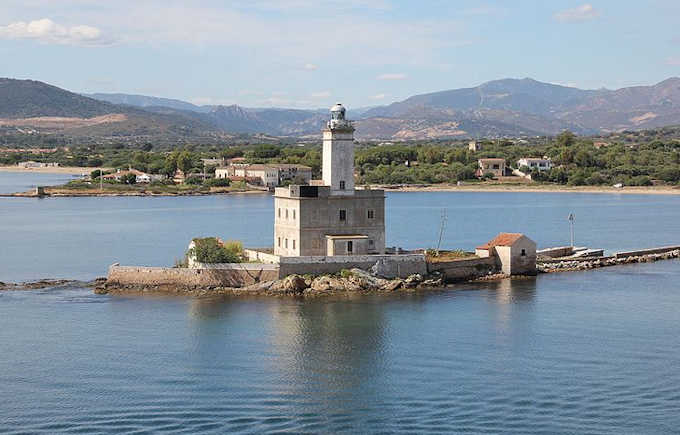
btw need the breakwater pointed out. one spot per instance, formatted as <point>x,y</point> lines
<point>620,258</point>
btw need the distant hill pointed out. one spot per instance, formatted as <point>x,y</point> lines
<point>508,107</point>
<point>29,98</point>
<point>49,109</point>
<point>528,106</point>
<point>145,101</point>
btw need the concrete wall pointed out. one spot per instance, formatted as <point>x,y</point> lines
<point>561,251</point>
<point>465,268</point>
<point>402,265</point>
<point>646,251</point>
<point>237,275</point>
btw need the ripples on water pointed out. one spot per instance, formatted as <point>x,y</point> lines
<point>593,352</point>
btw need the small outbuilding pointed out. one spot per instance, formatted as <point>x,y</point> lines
<point>515,253</point>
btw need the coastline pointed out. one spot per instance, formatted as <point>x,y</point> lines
<point>530,188</point>
<point>72,170</point>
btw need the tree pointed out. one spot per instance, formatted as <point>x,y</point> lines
<point>566,139</point>
<point>211,250</point>
<point>128,179</point>
<point>184,162</point>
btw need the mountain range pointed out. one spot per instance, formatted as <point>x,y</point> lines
<point>508,107</point>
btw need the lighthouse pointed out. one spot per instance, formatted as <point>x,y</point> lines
<point>338,153</point>
<point>330,217</point>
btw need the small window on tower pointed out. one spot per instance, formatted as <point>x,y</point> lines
<point>342,185</point>
<point>279,242</point>
<point>350,247</point>
<point>343,215</point>
<point>371,214</point>
<point>293,243</point>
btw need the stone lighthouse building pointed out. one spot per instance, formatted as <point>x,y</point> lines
<point>330,217</point>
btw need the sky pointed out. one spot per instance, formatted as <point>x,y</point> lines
<point>313,53</point>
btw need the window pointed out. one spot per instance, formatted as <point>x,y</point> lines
<point>286,242</point>
<point>371,243</point>
<point>371,214</point>
<point>293,243</point>
<point>496,167</point>
<point>293,214</point>
<point>279,213</point>
<point>342,185</point>
<point>350,247</point>
<point>286,213</point>
<point>524,253</point>
<point>343,215</point>
<point>279,242</point>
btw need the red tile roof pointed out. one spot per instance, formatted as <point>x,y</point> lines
<point>503,239</point>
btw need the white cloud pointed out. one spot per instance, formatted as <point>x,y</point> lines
<point>310,67</point>
<point>322,94</point>
<point>392,76</point>
<point>378,97</point>
<point>49,32</point>
<point>584,12</point>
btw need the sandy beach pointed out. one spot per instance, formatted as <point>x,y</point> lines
<point>74,170</point>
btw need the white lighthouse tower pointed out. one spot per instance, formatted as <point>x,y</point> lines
<point>338,153</point>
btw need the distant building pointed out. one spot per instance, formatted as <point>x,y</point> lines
<point>213,162</point>
<point>474,146</point>
<point>31,164</point>
<point>140,177</point>
<point>493,166</point>
<point>269,175</point>
<point>515,253</point>
<point>543,164</point>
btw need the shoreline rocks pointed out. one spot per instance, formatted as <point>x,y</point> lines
<point>354,281</point>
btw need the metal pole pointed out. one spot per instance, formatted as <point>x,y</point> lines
<point>101,179</point>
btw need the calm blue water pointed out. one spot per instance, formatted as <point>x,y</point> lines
<point>12,182</point>
<point>585,352</point>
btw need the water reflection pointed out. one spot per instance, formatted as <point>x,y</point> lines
<point>511,291</point>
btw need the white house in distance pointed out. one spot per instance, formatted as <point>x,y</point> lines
<point>541,164</point>
<point>269,175</point>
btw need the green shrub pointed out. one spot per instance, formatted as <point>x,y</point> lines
<point>193,180</point>
<point>210,250</point>
<point>217,182</point>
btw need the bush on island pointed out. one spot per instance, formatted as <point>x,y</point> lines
<point>212,250</point>
<point>193,180</point>
<point>217,182</point>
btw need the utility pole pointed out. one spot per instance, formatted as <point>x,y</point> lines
<point>571,227</point>
<point>101,179</point>
<point>442,225</point>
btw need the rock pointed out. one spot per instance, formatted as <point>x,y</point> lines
<point>292,284</point>
<point>392,285</point>
<point>325,283</point>
<point>366,280</point>
<point>258,287</point>
<point>413,280</point>
<point>384,269</point>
